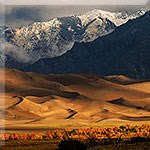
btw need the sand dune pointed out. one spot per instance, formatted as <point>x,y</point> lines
<point>142,86</point>
<point>103,89</point>
<point>35,100</point>
<point>138,104</point>
<point>120,79</point>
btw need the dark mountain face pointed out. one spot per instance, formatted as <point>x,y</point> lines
<point>125,51</point>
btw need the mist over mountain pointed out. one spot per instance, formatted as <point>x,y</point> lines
<point>125,51</point>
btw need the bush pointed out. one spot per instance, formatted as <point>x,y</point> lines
<point>138,139</point>
<point>93,142</point>
<point>71,145</point>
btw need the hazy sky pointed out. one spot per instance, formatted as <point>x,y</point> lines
<point>78,2</point>
<point>20,15</point>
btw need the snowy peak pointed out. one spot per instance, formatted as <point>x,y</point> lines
<point>96,14</point>
<point>118,18</point>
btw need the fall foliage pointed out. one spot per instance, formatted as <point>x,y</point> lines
<point>120,133</point>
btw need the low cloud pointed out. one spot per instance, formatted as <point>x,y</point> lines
<point>13,51</point>
<point>18,16</point>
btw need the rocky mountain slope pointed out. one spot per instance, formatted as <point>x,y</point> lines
<point>53,38</point>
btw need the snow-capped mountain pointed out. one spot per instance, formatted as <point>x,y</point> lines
<point>55,37</point>
<point>117,18</point>
<point>126,51</point>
